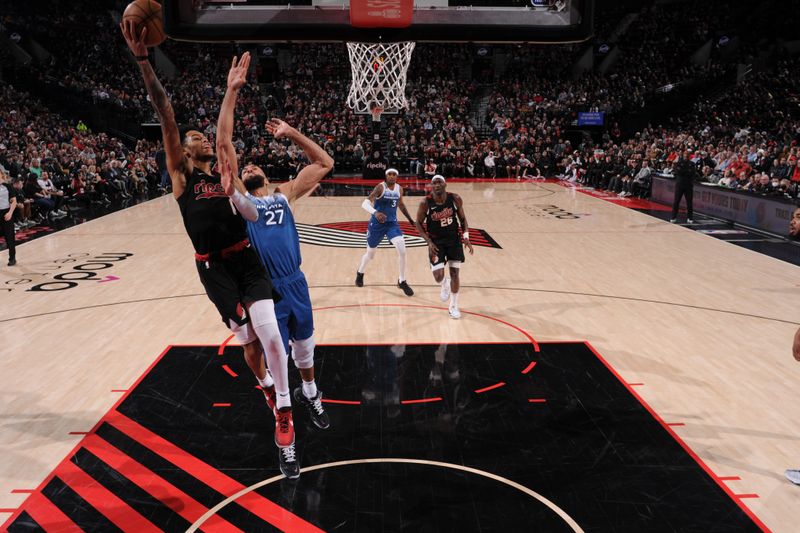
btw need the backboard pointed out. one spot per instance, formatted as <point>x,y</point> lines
<point>542,21</point>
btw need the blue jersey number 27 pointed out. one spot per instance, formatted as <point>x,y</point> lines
<point>270,216</point>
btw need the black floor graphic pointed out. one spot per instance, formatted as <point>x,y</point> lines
<point>472,421</point>
<point>781,248</point>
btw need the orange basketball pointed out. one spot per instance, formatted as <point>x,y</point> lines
<point>147,13</point>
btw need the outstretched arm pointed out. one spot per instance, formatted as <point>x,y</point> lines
<point>231,183</point>
<point>178,165</point>
<point>320,162</point>
<point>462,218</point>
<point>226,153</point>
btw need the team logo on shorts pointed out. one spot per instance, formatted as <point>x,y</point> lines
<point>354,235</point>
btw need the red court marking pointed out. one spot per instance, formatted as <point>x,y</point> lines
<point>220,405</point>
<point>747,496</point>
<point>4,510</point>
<point>730,478</point>
<point>228,369</point>
<point>676,424</point>
<point>224,344</point>
<point>490,387</point>
<point>635,384</point>
<point>119,390</point>
<point>75,448</point>
<point>422,400</point>
<point>106,502</point>
<point>159,488</point>
<point>529,367</point>
<point>343,402</point>
<point>79,432</point>
<point>679,440</point>
<point>48,516</point>
<point>253,502</point>
<point>512,326</point>
<point>537,400</point>
<point>22,491</point>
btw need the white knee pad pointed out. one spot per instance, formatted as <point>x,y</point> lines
<point>303,353</point>
<point>244,334</point>
<point>454,264</point>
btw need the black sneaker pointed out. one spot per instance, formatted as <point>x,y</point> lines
<point>359,279</point>
<point>406,289</point>
<point>314,406</point>
<point>287,459</point>
<point>12,262</point>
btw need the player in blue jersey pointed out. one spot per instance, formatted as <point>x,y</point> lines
<point>382,205</point>
<point>272,233</point>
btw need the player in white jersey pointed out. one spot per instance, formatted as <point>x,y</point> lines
<point>382,205</point>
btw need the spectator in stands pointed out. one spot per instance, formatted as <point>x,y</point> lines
<point>53,193</point>
<point>489,164</point>
<point>24,206</point>
<point>40,198</point>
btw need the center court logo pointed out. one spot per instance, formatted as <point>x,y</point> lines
<point>354,235</point>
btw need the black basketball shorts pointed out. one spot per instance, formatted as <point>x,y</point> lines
<point>234,282</point>
<point>449,250</point>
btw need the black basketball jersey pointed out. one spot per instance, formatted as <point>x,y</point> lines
<point>208,215</point>
<point>441,220</point>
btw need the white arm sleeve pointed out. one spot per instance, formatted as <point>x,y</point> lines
<point>367,206</point>
<point>244,206</point>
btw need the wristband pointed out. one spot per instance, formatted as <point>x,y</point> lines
<point>142,58</point>
<point>367,206</point>
<point>466,235</point>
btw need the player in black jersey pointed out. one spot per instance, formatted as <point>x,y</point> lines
<point>438,219</point>
<point>233,277</point>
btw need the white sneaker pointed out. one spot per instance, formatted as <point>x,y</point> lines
<point>444,294</point>
<point>454,312</point>
<point>793,476</point>
<point>689,221</point>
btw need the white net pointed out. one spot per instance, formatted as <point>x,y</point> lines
<point>379,76</point>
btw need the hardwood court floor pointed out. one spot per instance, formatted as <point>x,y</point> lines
<point>703,325</point>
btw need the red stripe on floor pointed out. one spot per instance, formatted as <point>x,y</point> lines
<point>731,478</point>
<point>79,432</point>
<point>529,367</point>
<point>119,390</point>
<point>22,491</point>
<point>421,400</point>
<point>224,344</point>
<point>7,510</point>
<point>673,424</point>
<point>230,371</point>
<point>155,485</point>
<point>220,405</point>
<point>255,503</point>
<point>48,516</point>
<point>490,387</point>
<point>536,400</point>
<point>740,496</point>
<point>635,384</point>
<point>342,402</point>
<point>106,502</point>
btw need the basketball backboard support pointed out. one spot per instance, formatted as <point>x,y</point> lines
<point>509,21</point>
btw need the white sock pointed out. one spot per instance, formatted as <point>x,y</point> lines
<point>267,382</point>
<point>366,258</point>
<point>445,282</point>
<point>309,388</point>
<point>262,318</point>
<point>454,299</point>
<point>400,244</point>
<point>282,399</point>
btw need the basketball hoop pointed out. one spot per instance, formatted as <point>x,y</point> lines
<point>379,77</point>
<point>376,113</point>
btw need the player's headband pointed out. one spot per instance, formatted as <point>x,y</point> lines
<point>390,170</point>
<point>438,177</point>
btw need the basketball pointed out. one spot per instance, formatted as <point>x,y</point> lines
<point>147,13</point>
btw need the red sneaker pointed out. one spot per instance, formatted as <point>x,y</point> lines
<point>284,427</point>
<point>269,395</point>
